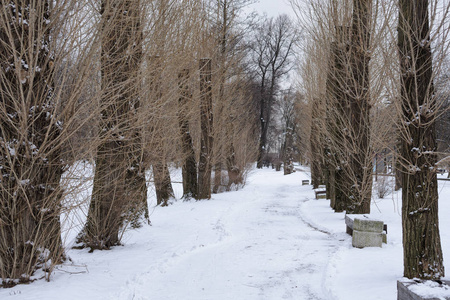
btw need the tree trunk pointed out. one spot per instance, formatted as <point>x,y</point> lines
<point>316,158</point>
<point>30,146</point>
<point>189,168</point>
<point>331,188</point>
<point>217,176</point>
<point>398,171</point>
<point>422,251</point>
<point>263,124</point>
<point>158,157</point>
<point>206,121</point>
<point>135,178</point>
<point>112,195</point>
<point>219,136</point>
<point>359,98</point>
<point>234,172</point>
<point>263,139</point>
<point>337,121</point>
<point>163,184</point>
<point>288,160</point>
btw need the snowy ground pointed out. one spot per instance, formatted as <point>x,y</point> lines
<point>271,240</point>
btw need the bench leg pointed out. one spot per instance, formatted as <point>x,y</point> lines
<point>349,231</point>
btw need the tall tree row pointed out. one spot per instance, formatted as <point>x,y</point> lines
<point>348,34</point>
<point>367,79</point>
<point>131,88</point>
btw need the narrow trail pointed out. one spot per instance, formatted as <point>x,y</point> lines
<point>261,247</point>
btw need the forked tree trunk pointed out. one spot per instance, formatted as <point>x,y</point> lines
<point>189,168</point>
<point>422,253</point>
<point>206,121</point>
<point>30,143</point>
<point>112,195</point>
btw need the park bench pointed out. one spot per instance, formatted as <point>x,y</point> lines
<point>321,192</point>
<point>366,231</point>
<point>305,182</point>
<point>407,289</point>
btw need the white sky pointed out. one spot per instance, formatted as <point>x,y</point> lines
<point>272,7</point>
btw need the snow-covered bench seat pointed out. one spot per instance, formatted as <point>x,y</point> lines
<point>416,289</point>
<point>366,231</point>
<point>305,182</point>
<point>321,192</point>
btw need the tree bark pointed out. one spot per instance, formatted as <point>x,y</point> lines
<point>422,251</point>
<point>288,160</point>
<point>30,143</point>
<point>359,98</point>
<point>264,123</point>
<point>316,157</point>
<point>161,174</point>
<point>206,121</point>
<point>135,178</point>
<point>113,196</point>
<point>189,168</point>
<point>235,176</point>
<point>337,120</point>
<point>163,184</point>
<point>398,169</point>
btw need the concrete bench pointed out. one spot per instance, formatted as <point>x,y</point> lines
<point>321,194</point>
<point>366,231</point>
<point>406,290</point>
<point>305,182</point>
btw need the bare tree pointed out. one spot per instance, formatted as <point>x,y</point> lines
<point>158,151</point>
<point>422,252</point>
<point>350,37</point>
<point>119,183</point>
<point>205,167</point>
<point>272,51</point>
<point>189,167</point>
<point>36,124</point>
<point>360,105</point>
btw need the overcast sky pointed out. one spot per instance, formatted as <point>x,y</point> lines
<point>272,7</point>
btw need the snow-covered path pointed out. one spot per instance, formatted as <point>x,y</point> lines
<point>270,240</point>
<point>253,243</point>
